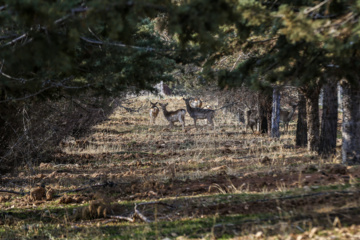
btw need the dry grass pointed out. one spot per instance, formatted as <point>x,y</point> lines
<point>209,175</point>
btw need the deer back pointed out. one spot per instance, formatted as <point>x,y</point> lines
<point>173,116</point>
<point>199,113</point>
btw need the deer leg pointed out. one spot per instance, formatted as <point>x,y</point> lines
<point>209,120</point>
<point>195,122</point>
<point>182,121</point>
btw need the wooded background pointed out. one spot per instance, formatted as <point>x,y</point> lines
<point>63,62</point>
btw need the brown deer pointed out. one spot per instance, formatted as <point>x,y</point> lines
<point>200,113</point>
<point>286,116</point>
<point>196,103</point>
<point>154,112</point>
<point>174,116</point>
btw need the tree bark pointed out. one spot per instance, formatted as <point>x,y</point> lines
<point>329,119</point>
<point>312,117</point>
<point>275,117</point>
<point>301,127</point>
<point>351,123</point>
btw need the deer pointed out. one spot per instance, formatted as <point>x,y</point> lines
<point>196,103</point>
<point>249,122</point>
<point>286,116</point>
<point>154,112</point>
<point>200,113</point>
<point>174,116</point>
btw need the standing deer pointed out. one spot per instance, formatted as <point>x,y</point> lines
<point>174,116</point>
<point>286,116</point>
<point>196,103</point>
<point>154,112</point>
<point>249,121</point>
<point>200,113</point>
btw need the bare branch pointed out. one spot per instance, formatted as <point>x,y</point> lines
<point>10,77</point>
<point>15,40</point>
<point>73,11</point>
<point>122,218</point>
<point>141,216</point>
<point>237,60</point>
<point>3,7</point>
<point>309,10</point>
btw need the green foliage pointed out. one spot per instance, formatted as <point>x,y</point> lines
<point>64,47</point>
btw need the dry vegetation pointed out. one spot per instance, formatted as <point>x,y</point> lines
<point>128,179</point>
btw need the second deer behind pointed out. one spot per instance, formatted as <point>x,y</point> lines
<point>154,111</point>
<point>174,116</point>
<point>286,116</point>
<point>196,103</point>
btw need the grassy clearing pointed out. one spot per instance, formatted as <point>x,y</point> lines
<point>223,183</point>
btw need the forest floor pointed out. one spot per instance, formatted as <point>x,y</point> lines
<point>128,179</point>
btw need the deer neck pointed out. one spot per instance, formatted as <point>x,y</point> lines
<point>166,113</point>
<point>188,107</point>
<point>292,112</point>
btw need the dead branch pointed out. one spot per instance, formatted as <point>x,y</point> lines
<point>122,218</point>
<point>138,214</point>
<point>14,192</point>
<point>15,40</point>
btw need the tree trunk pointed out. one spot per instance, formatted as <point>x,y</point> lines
<point>312,117</point>
<point>329,119</point>
<point>351,124</point>
<point>259,113</point>
<point>275,117</point>
<point>301,127</point>
<point>265,112</point>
